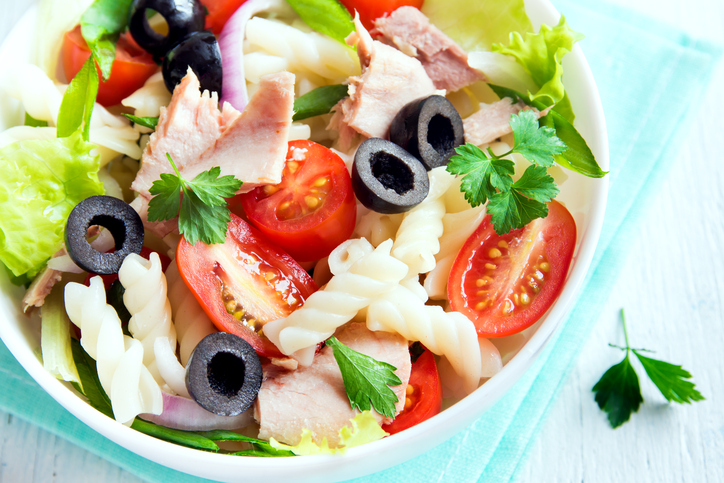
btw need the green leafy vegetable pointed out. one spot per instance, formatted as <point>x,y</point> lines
<point>90,385</point>
<point>41,181</point>
<point>618,393</point>
<point>365,429</point>
<point>477,29</point>
<point>101,25</point>
<point>540,55</point>
<point>490,177</point>
<point>78,101</point>
<point>326,16</point>
<point>184,438</point>
<point>200,204</point>
<point>319,101</point>
<point>32,122</point>
<point>149,122</point>
<point>578,157</point>
<point>261,447</point>
<point>55,340</point>
<point>366,380</point>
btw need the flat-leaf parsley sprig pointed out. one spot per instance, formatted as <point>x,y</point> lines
<point>201,206</point>
<point>366,380</point>
<point>488,176</point>
<point>618,392</point>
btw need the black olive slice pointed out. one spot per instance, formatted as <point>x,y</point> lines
<point>430,129</point>
<point>182,16</point>
<point>223,374</point>
<point>201,52</point>
<point>118,217</point>
<point>386,178</point>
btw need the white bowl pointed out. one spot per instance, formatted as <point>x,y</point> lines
<point>584,197</point>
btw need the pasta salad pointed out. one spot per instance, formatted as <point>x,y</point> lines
<point>301,232</point>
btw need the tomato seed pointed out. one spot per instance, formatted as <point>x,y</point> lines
<point>410,389</point>
<point>490,266</point>
<point>494,253</point>
<point>545,266</point>
<point>524,298</point>
<point>503,244</point>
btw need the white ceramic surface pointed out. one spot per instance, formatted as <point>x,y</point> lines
<point>584,197</point>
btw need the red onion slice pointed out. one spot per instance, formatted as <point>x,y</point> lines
<point>185,414</point>
<point>231,43</point>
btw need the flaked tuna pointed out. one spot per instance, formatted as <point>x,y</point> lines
<point>314,397</point>
<point>493,121</point>
<point>389,80</point>
<point>445,62</point>
<point>254,146</point>
<point>190,124</point>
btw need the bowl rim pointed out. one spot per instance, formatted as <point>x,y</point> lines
<point>386,451</point>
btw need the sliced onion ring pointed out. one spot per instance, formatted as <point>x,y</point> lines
<point>184,414</point>
<point>231,43</point>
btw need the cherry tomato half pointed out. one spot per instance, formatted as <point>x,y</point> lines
<point>312,210</point>
<point>219,12</point>
<point>132,67</point>
<point>506,283</point>
<point>244,282</point>
<point>424,395</point>
<point>371,9</point>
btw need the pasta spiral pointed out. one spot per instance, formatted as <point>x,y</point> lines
<point>119,358</point>
<point>361,274</point>
<point>192,323</point>
<point>417,239</point>
<point>146,301</point>
<point>448,334</point>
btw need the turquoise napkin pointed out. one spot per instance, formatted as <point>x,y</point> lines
<point>650,77</point>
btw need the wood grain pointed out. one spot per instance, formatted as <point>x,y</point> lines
<point>673,293</point>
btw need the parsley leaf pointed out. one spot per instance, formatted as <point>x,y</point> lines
<point>366,380</point>
<point>200,204</point>
<point>487,176</point>
<point>618,392</point>
<point>537,144</point>
<point>670,379</point>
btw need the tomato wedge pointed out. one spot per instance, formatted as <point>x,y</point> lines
<point>132,67</point>
<point>371,9</point>
<point>506,283</point>
<point>312,210</point>
<point>424,395</point>
<point>244,282</point>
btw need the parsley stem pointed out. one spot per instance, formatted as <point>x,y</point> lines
<point>625,334</point>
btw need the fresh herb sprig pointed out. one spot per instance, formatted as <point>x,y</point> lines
<point>366,380</point>
<point>618,393</point>
<point>201,206</point>
<point>489,177</point>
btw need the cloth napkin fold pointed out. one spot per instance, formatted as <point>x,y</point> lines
<point>650,78</point>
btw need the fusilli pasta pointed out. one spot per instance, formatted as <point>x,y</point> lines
<point>361,274</point>
<point>449,334</point>
<point>417,239</point>
<point>146,301</point>
<point>119,358</point>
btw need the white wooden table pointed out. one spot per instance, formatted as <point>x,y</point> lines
<point>672,289</point>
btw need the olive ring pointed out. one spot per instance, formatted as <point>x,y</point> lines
<point>118,217</point>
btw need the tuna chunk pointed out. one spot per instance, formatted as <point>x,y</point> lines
<point>389,80</point>
<point>314,398</point>
<point>190,124</point>
<point>493,121</point>
<point>40,288</point>
<point>445,62</point>
<point>254,147</point>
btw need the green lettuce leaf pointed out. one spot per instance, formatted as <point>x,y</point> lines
<point>364,430</point>
<point>540,55</point>
<point>101,25</point>
<point>41,181</point>
<point>55,336</point>
<point>78,102</point>
<point>484,23</point>
<point>325,16</point>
